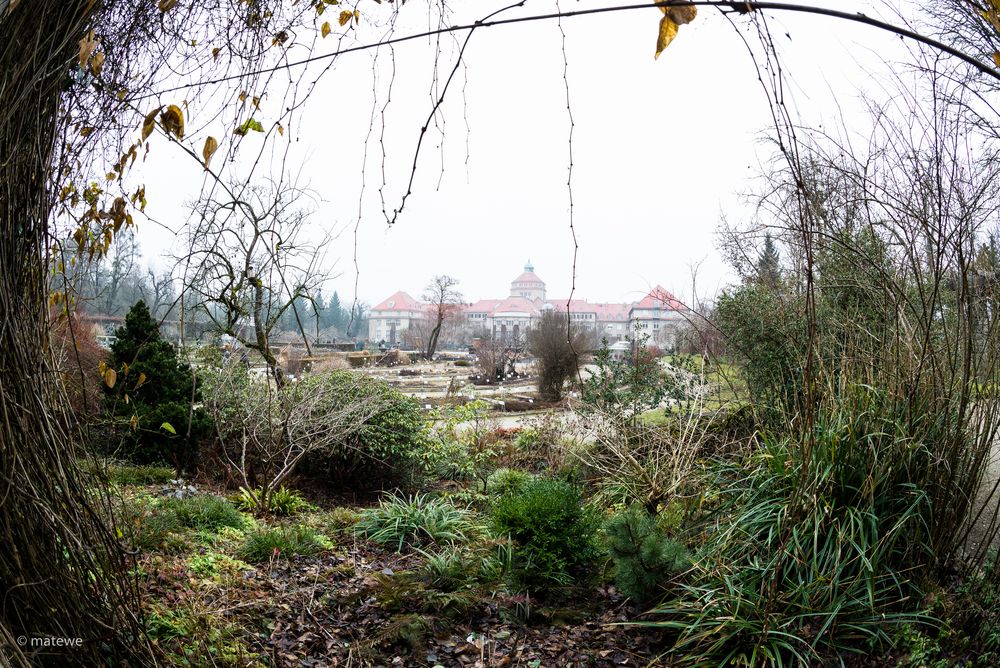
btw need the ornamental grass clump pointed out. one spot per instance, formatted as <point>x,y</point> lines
<point>417,520</point>
<point>813,548</point>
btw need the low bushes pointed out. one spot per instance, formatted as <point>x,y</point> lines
<point>380,452</point>
<point>554,534</point>
<point>157,520</point>
<point>505,482</point>
<point>128,474</point>
<point>282,501</point>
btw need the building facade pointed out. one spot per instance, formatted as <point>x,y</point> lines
<point>393,316</point>
<point>659,314</point>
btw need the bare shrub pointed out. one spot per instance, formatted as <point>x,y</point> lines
<point>559,350</point>
<point>641,463</point>
<point>76,355</point>
<point>264,431</point>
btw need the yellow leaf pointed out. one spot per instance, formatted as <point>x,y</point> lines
<point>149,123</point>
<point>325,30</point>
<point>126,397</point>
<point>682,14</point>
<point>134,422</point>
<point>142,379</point>
<point>256,102</point>
<point>85,131</point>
<point>215,53</point>
<point>211,146</point>
<point>345,18</point>
<point>668,30</point>
<point>87,46</point>
<point>173,121</point>
<point>166,5</point>
<point>281,129</point>
<point>97,63</point>
<point>996,58</point>
<point>101,366</point>
<point>357,16</point>
<point>110,377</point>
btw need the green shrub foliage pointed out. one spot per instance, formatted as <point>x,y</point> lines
<point>554,534</point>
<point>154,522</point>
<point>505,482</point>
<point>152,425</point>
<point>645,557</point>
<point>384,451</point>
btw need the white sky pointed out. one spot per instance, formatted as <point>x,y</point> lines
<point>661,149</point>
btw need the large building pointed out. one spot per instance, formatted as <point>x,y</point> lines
<point>393,316</point>
<point>659,314</point>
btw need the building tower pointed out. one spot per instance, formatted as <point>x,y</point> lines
<point>528,285</point>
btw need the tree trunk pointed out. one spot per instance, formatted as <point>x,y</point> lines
<point>260,330</point>
<point>62,571</point>
<point>432,340</point>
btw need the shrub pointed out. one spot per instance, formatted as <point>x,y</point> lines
<point>457,567</point>
<point>158,385</point>
<point>417,520</point>
<point>359,360</point>
<point>383,449</point>
<point>645,558</point>
<point>343,518</point>
<point>265,544</point>
<point>558,351</point>
<point>463,447</point>
<point>504,482</point>
<point>766,333</point>
<point>638,382</point>
<point>77,355</point>
<point>553,533</point>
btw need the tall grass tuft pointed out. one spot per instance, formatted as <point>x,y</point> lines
<point>812,550</point>
<point>417,520</point>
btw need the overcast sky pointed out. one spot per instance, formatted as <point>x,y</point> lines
<point>662,149</point>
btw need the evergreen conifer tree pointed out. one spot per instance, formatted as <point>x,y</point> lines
<point>158,386</point>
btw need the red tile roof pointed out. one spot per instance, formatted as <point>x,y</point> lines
<point>658,297</point>
<point>483,306</point>
<point>516,305</point>
<point>399,301</point>
<point>528,277</point>
<point>612,312</point>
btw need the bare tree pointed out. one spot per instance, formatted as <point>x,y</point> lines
<point>497,357</point>
<point>558,348</point>
<point>444,305</point>
<point>157,290</point>
<point>250,266</point>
